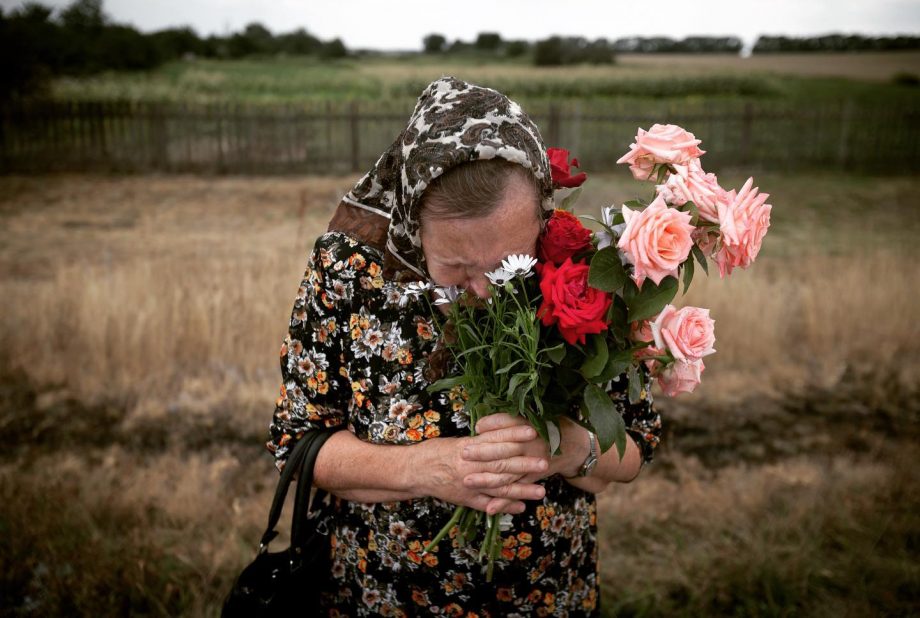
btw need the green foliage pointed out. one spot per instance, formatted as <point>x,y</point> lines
<point>606,272</point>
<point>489,41</point>
<point>606,421</point>
<point>835,42</point>
<point>560,51</point>
<point>651,299</point>
<point>434,44</point>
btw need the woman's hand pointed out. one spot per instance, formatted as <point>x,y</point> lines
<point>500,459</point>
<point>574,449</point>
<point>509,461</point>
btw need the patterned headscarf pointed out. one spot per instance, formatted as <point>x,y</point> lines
<point>454,122</point>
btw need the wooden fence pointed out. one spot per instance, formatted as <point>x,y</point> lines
<point>318,138</point>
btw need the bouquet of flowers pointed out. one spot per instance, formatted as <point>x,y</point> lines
<point>592,306</point>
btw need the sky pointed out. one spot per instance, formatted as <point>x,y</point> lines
<point>402,24</point>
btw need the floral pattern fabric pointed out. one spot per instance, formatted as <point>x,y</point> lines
<point>357,356</point>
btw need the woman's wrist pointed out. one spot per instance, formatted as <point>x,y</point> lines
<point>574,449</point>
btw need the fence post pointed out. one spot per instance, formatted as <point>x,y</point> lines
<point>747,120</point>
<point>552,129</point>
<point>158,136</point>
<point>216,111</point>
<point>846,117</point>
<point>355,137</point>
<point>5,154</point>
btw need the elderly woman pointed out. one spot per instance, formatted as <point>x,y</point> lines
<point>466,183</point>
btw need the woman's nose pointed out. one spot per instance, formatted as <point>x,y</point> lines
<point>479,287</point>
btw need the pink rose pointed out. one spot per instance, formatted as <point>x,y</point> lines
<point>641,331</point>
<point>656,240</point>
<point>705,239</point>
<point>692,184</point>
<point>680,377</point>
<point>688,333</point>
<point>743,222</point>
<point>663,143</point>
<point>646,355</point>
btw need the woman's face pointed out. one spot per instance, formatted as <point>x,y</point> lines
<point>460,251</point>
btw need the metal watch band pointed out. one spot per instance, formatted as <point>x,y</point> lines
<point>591,459</point>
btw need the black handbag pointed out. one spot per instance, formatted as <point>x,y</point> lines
<point>289,580</point>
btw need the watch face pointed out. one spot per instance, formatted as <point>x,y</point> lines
<point>590,465</point>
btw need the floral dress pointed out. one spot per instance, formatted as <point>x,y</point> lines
<point>357,356</point>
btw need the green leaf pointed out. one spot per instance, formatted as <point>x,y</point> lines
<point>634,204</point>
<point>606,272</point>
<point>515,382</point>
<point>556,353</point>
<point>635,384</point>
<point>597,356</point>
<point>569,202</point>
<point>617,363</point>
<point>662,173</point>
<point>698,254</point>
<point>477,412</point>
<point>604,418</point>
<point>630,291</point>
<point>445,384</point>
<point>652,298</point>
<point>509,366</point>
<point>693,210</point>
<point>616,317</point>
<point>688,274</point>
<point>555,437</point>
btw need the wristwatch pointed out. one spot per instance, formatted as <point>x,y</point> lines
<point>591,460</point>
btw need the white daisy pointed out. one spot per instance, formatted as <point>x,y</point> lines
<point>499,276</point>
<point>521,264</point>
<point>417,287</point>
<point>448,295</point>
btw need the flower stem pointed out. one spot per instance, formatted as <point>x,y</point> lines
<point>458,513</point>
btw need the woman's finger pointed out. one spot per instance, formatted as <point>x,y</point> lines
<point>515,465</point>
<point>518,433</point>
<point>490,505</point>
<point>503,505</point>
<point>492,452</point>
<point>517,491</point>
<point>498,421</point>
<point>488,480</point>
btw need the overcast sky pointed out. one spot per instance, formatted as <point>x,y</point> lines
<point>402,24</point>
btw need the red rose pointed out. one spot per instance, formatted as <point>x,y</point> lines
<point>570,303</point>
<point>563,238</point>
<point>561,170</point>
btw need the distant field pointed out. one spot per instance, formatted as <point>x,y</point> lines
<point>866,75</point>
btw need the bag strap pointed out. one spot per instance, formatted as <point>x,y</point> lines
<point>293,464</point>
<point>301,527</point>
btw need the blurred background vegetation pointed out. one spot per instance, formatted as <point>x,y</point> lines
<point>143,311</point>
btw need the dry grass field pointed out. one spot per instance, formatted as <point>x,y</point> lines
<point>142,318</point>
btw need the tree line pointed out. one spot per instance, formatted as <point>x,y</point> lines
<point>38,42</point>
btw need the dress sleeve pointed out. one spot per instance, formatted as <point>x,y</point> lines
<point>642,421</point>
<point>315,388</point>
